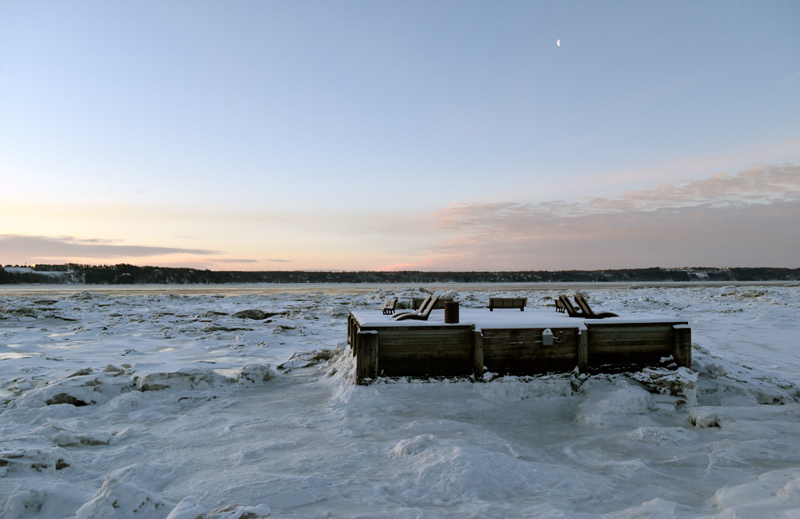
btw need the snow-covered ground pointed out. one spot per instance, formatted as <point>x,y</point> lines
<point>147,405</point>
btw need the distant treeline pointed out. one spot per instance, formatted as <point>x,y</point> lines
<point>124,274</point>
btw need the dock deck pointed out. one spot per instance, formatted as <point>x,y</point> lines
<point>511,342</point>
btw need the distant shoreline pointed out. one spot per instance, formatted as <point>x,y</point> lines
<point>360,288</point>
<point>124,274</point>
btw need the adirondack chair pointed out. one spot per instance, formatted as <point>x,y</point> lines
<point>420,309</point>
<point>587,310</point>
<point>559,305</point>
<point>567,304</point>
<point>422,315</point>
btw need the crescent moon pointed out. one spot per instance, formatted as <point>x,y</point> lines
<point>558,43</point>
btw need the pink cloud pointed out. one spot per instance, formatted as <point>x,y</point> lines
<point>747,219</point>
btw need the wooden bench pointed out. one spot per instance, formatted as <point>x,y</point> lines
<point>507,302</point>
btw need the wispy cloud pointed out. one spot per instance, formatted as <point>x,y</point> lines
<point>757,185</point>
<point>744,219</point>
<point>688,167</point>
<point>233,260</point>
<point>16,249</point>
<point>64,248</point>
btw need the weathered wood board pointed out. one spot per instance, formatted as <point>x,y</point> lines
<point>522,352</point>
<point>438,351</point>
<point>641,344</point>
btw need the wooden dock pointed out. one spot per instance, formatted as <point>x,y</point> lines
<point>511,342</point>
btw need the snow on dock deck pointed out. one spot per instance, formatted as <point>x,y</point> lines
<point>506,319</point>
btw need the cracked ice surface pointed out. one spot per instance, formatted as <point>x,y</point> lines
<point>242,405</point>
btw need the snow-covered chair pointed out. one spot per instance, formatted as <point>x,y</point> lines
<point>422,315</point>
<point>419,308</point>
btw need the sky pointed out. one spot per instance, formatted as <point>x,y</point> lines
<point>359,135</point>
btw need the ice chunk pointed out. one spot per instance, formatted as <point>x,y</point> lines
<point>117,499</point>
<point>240,512</point>
<point>16,456</point>
<point>53,501</point>
<point>602,404</point>
<point>771,492</point>
<point>188,509</point>
<point>182,379</point>
<point>657,509</point>
<point>662,435</point>
<point>414,445</point>
<point>257,315</point>
<point>703,417</point>
<point>78,389</point>
<point>304,360</point>
<point>255,374</point>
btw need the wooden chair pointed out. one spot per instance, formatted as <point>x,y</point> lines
<point>419,316</point>
<point>389,306</point>
<point>587,310</point>
<point>559,305</point>
<point>567,305</point>
<point>418,310</point>
<point>419,302</point>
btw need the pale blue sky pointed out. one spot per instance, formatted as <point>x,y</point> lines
<point>350,135</point>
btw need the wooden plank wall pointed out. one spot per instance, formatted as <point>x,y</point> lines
<point>642,344</point>
<point>432,351</point>
<point>521,352</point>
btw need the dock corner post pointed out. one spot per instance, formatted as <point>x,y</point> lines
<point>367,357</point>
<point>583,349</point>
<point>682,350</point>
<point>350,328</point>
<point>352,334</point>
<point>477,354</point>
